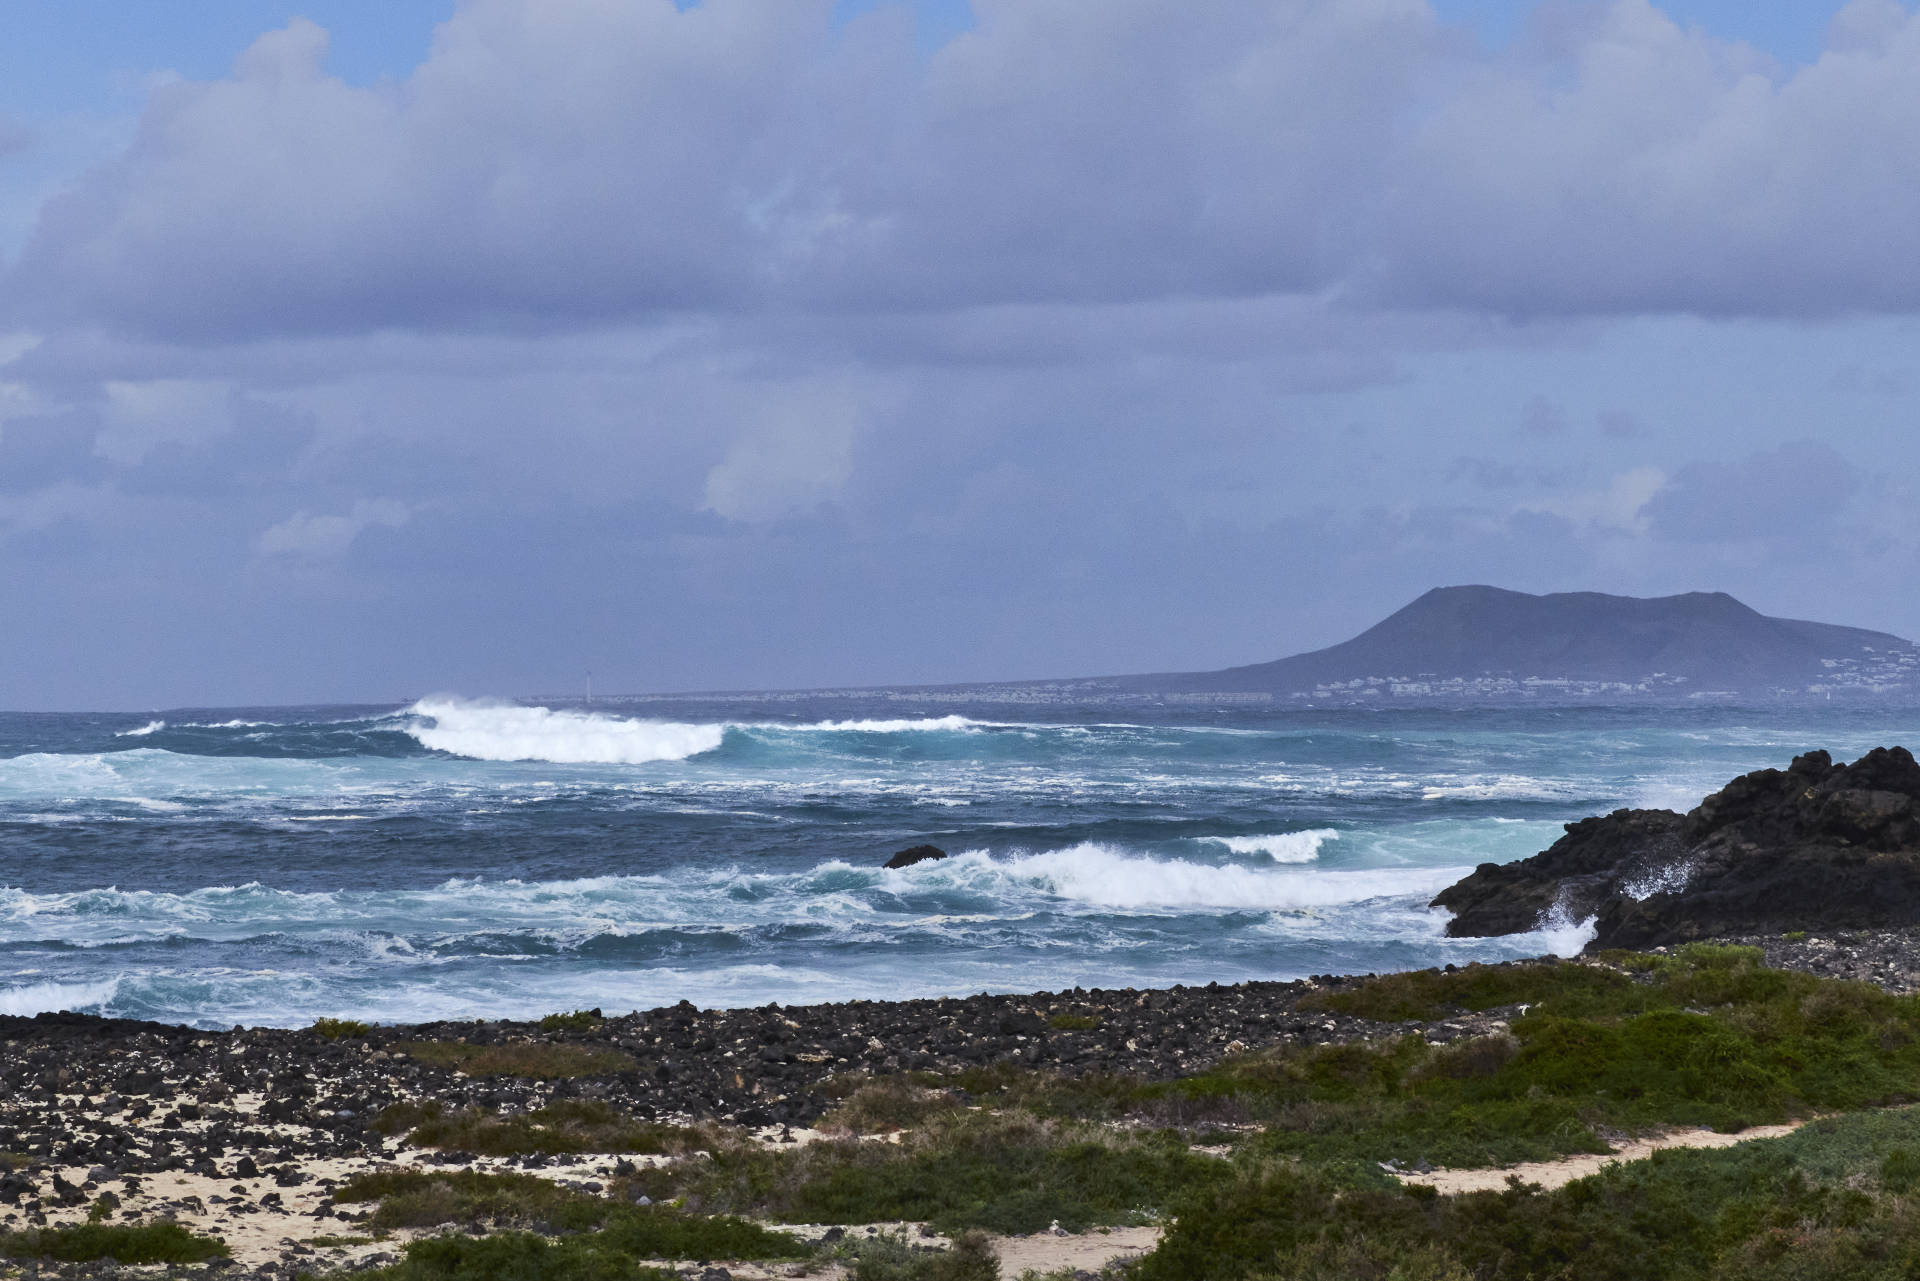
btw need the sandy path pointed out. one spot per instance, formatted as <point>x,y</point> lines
<point>1088,1251</point>
<point>1555,1174</point>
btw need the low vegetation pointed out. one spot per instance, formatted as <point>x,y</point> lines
<point>885,1105</point>
<point>1074,1022</point>
<point>517,1256</point>
<point>1002,1172</point>
<point>562,1127</point>
<point>1830,1201</point>
<point>516,1202</point>
<point>576,1021</point>
<point>893,1256</point>
<point>120,1242</point>
<point>540,1060</point>
<point>1277,1165</point>
<point>334,1029</point>
<point>1707,1037</point>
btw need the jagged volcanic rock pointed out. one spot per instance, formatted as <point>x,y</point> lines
<point>1816,846</point>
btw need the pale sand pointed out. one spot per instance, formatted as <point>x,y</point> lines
<point>1087,1251</point>
<point>261,1235</point>
<point>1555,1174</point>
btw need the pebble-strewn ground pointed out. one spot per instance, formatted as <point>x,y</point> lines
<point>242,1133</point>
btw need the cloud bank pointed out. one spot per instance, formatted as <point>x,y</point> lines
<point>733,345</point>
<point>571,161</point>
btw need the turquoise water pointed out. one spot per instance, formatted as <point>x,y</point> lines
<point>458,860</point>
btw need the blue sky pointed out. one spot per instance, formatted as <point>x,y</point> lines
<point>355,351</point>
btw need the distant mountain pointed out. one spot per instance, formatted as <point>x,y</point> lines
<point>1485,641</point>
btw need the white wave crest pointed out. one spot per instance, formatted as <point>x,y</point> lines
<point>1503,787</point>
<point>1100,876</point>
<point>47,998</point>
<point>151,727</point>
<point>1281,847</point>
<point>925,725</point>
<point>509,732</point>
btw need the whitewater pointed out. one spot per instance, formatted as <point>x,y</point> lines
<point>457,858</point>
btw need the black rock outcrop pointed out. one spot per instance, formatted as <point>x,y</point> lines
<point>1816,846</point>
<point>917,854</point>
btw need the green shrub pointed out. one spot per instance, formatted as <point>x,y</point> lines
<point>999,1172</point>
<point>516,1256</point>
<point>892,1256</point>
<point>1900,1170</point>
<point>577,1021</point>
<point>422,1199</point>
<point>1790,1207</point>
<point>123,1243</point>
<point>564,1126</point>
<point>334,1029</point>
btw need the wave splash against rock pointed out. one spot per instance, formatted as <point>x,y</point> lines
<point>1816,846</point>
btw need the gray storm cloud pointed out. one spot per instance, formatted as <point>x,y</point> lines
<point>576,160</point>
<point>736,346</point>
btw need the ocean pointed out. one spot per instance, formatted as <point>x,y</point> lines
<point>456,859</point>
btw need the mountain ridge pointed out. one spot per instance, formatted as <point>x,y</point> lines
<point>1479,638</point>
<point>1484,644</point>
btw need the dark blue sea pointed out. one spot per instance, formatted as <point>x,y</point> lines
<point>454,859</point>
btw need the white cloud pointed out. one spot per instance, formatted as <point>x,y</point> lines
<point>139,415</point>
<point>798,458</point>
<point>1619,507</point>
<point>304,536</point>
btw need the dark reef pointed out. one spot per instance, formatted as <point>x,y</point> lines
<point>1814,847</point>
<point>915,854</point>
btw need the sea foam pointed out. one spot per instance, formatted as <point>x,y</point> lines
<point>1101,876</point>
<point>508,732</point>
<point>44,998</point>
<point>1281,847</point>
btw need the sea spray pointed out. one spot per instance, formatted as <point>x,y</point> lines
<point>509,732</point>
<point>1281,847</point>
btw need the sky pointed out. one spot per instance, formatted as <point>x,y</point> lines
<point>357,350</point>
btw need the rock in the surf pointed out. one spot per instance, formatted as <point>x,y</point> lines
<point>1816,846</point>
<point>917,854</point>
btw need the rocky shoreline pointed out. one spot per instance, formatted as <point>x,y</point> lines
<point>243,1133</point>
<point>1817,846</point>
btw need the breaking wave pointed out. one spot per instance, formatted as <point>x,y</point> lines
<point>925,725</point>
<point>151,727</point>
<point>490,731</point>
<point>1101,876</point>
<point>45,998</point>
<point>1282,847</point>
<point>509,732</point>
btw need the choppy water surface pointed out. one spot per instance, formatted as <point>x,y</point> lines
<point>459,859</point>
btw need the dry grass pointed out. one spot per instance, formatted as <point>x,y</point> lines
<point>885,1105</point>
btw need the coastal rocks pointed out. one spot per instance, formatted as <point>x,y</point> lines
<point>916,854</point>
<point>1817,847</point>
<point>1597,860</point>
